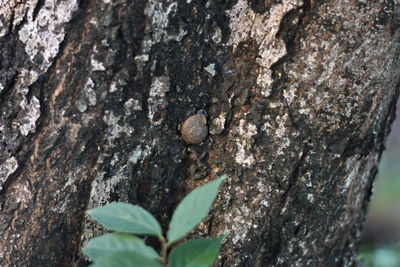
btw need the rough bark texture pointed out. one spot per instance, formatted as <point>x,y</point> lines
<point>300,96</point>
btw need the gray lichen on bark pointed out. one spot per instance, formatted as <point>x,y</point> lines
<point>41,46</point>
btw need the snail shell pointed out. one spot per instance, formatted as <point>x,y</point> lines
<point>194,129</point>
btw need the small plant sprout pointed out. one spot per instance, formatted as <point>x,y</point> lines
<point>124,249</point>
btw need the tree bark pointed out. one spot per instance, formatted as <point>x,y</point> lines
<point>300,96</point>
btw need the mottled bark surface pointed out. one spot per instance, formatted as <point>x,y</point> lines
<point>300,96</point>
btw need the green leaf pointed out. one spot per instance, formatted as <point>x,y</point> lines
<point>195,253</point>
<point>102,245</point>
<point>126,218</point>
<point>192,209</point>
<point>125,259</point>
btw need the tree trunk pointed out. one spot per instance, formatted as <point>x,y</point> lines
<point>300,96</point>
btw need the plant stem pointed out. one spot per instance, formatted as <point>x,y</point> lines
<point>163,253</point>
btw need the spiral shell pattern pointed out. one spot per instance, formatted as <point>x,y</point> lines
<point>194,129</point>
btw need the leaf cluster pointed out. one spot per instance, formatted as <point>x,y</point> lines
<point>123,248</point>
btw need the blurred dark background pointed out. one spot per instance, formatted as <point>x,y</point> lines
<point>380,244</point>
